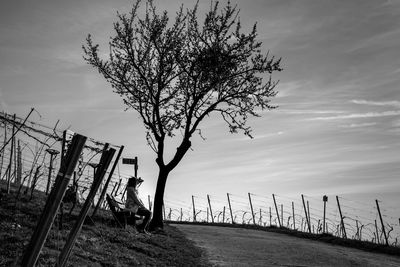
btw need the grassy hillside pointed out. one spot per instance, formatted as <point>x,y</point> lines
<point>101,244</point>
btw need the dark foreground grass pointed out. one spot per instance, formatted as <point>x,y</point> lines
<point>101,244</point>
<point>327,238</point>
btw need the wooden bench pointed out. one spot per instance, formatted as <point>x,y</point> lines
<point>121,216</point>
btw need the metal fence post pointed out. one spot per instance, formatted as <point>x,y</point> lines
<point>341,218</point>
<point>383,226</point>
<point>252,211</point>
<point>11,156</point>
<point>52,153</point>
<point>276,209</point>
<point>230,208</point>
<point>305,211</point>
<point>294,218</point>
<point>270,217</point>
<point>209,204</point>
<point>194,210</point>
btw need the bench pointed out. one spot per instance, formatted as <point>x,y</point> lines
<point>121,216</point>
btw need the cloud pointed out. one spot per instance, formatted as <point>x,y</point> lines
<point>358,115</point>
<point>3,105</point>
<point>396,123</point>
<point>393,103</point>
<point>310,111</point>
<point>261,136</point>
<point>358,125</point>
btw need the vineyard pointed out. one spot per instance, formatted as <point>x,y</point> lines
<point>31,154</point>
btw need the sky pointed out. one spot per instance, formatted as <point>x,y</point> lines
<point>336,130</point>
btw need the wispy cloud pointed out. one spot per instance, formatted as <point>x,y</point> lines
<point>358,125</point>
<point>3,105</point>
<point>393,103</point>
<point>309,111</point>
<point>358,115</point>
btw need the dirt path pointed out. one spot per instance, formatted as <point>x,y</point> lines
<point>243,247</point>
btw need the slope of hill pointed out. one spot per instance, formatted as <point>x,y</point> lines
<point>101,244</point>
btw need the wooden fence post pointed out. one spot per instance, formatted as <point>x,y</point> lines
<point>19,165</point>
<point>11,156</point>
<point>276,209</point>
<point>305,211</point>
<point>112,191</point>
<point>358,231</point>
<point>294,218</point>
<point>252,211</point>
<point>34,180</point>
<point>377,233</point>
<point>119,185</point>
<point>194,210</point>
<point>341,218</point>
<point>15,161</point>
<point>63,143</point>
<point>230,208</point>
<point>105,161</point>
<point>211,213</point>
<point>53,202</point>
<point>103,192</point>
<point>383,225</point>
<point>270,217</point>
<point>3,151</point>
<point>124,192</point>
<point>223,215</point>
<point>309,214</point>
<point>181,214</point>
<point>282,215</point>
<point>52,153</point>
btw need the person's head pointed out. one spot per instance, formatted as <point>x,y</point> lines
<point>133,181</point>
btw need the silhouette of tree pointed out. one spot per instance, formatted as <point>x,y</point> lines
<point>175,74</point>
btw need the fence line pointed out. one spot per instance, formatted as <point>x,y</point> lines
<point>359,222</point>
<point>35,138</point>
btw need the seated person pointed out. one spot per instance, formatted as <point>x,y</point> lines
<point>135,205</point>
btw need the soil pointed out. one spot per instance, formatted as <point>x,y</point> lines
<point>227,246</point>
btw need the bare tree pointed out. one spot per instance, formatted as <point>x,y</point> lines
<point>175,74</point>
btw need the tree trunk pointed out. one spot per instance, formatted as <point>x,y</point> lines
<point>157,220</point>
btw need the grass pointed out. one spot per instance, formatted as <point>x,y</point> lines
<point>101,244</point>
<point>104,244</point>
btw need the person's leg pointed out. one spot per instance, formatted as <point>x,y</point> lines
<point>147,214</point>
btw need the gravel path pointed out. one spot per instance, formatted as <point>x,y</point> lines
<point>226,246</point>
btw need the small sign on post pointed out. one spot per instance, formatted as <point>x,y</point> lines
<point>131,161</point>
<point>324,199</point>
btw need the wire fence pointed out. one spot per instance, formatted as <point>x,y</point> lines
<point>30,156</point>
<point>343,217</point>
